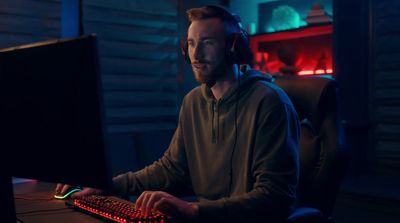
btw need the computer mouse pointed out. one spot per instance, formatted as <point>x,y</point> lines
<point>67,194</point>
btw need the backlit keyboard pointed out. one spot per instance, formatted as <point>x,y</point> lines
<point>115,209</point>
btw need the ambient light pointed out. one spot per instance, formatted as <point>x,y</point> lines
<point>303,51</point>
<point>312,72</point>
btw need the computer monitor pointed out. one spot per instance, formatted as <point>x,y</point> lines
<point>51,113</point>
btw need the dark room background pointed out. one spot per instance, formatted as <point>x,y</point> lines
<point>145,78</point>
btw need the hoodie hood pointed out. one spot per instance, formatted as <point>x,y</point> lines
<point>244,82</point>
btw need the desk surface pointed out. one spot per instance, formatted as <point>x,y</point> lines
<point>34,203</point>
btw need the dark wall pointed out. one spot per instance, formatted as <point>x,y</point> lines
<point>367,62</point>
<point>384,87</point>
<point>351,45</point>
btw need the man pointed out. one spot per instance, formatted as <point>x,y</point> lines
<point>237,136</point>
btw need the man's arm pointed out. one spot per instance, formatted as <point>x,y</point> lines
<point>167,174</point>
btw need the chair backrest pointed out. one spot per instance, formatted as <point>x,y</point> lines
<point>321,151</point>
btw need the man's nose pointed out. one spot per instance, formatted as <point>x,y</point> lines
<point>198,52</point>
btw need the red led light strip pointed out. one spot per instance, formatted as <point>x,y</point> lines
<point>312,72</point>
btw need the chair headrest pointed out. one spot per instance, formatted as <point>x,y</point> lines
<point>312,96</point>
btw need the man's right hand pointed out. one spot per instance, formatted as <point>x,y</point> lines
<point>63,188</point>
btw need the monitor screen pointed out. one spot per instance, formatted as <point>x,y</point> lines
<point>51,113</point>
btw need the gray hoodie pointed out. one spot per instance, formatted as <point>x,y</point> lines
<point>239,154</point>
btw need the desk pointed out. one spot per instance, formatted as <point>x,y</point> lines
<point>34,203</point>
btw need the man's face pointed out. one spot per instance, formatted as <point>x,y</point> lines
<point>206,46</point>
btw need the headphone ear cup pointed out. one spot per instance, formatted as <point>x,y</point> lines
<point>243,50</point>
<point>237,50</point>
<point>230,48</point>
<point>233,50</point>
<point>184,50</point>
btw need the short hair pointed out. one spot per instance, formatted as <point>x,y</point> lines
<point>231,21</point>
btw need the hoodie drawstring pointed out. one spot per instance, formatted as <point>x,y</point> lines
<point>216,141</point>
<point>215,131</point>
<point>212,123</point>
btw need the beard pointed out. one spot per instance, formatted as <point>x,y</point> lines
<point>210,77</point>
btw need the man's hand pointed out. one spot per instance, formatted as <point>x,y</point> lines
<point>62,188</point>
<point>167,204</point>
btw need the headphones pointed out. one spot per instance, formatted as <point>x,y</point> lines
<point>237,50</point>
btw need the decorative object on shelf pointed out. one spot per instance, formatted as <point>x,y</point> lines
<point>318,15</point>
<point>283,18</point>
<point>282,15</point>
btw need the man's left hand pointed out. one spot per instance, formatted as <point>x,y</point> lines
<point>167,204</point>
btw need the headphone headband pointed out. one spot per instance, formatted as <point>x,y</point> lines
<point>231,16</point>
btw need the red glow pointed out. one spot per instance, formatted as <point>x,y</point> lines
<point>311,72</point>
<point>261,57</point>
<point>118,211</point>
<point>258,57</point>
<point>290,34</point>
<point>304,51</point>
<point>305,72</point>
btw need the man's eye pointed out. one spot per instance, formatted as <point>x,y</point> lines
<point>190,43</point>
<point>208,42</point>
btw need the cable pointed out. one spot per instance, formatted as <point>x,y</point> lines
<point>236,132</point>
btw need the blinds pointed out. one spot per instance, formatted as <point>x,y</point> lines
<point>385,85</point>
<point>138,49</point>
<point>27,21</point>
